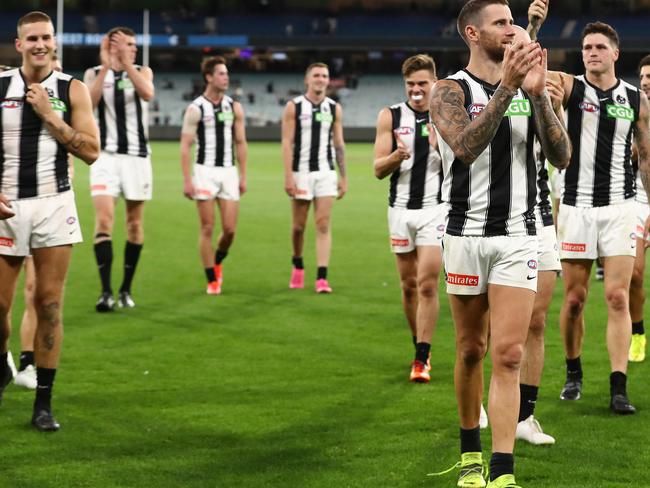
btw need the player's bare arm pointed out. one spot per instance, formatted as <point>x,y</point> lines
<point>642,139</point>
<point>288,130</point>
<point>142,79</point>
<point>469,138</point>
<point>241,146</point>
<point>339,150</point>
<point>191,120</point>
<point>386,160</point>
<point>550,130</point>
<point>537,12</point>
<point>81,137</point>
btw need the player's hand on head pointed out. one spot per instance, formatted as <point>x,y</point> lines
<point>105,52</point>
<point>5,208</point>
<point>402,151</point>
<point>39,99</point>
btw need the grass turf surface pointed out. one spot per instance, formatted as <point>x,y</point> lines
<point>266,386</point>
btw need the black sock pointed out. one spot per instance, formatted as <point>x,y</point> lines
<point>470,440</point>
<point>220,256</point>
<point>415,341</point>
<point>4,366</point>
<point>45,381</point>
<point>528,399</point>
<point>501,463</point>
<point>131,256</point>
<point>574,368</point>
<point>297,262</point>
<point>617,383</point>
<point>26,358</point>
<point>104,258</point>
<point>322,273</point>
<point>209,274</point>
<point>422,352</point>
<point>637,327</point>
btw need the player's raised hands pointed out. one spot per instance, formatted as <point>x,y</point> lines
<point>120,47</point>
<point>555,90</point>
<point>518,60</point>
<point>105,52</point>
<point>402,152</point>
<point>535,81</point>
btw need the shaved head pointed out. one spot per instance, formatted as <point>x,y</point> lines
<point>521,34</point>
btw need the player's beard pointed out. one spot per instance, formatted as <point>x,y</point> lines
<point>495,52</point>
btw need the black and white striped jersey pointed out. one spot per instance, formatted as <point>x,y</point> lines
<point>32,162</point>
<point>600,125</point>
<point>496,194</point>
<point>417,182</point>
<point>214,134</point>
<point>122,116</point>
<point>312,143</point>
<point>543,208</point>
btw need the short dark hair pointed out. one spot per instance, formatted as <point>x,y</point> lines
<point>645,61</point>
<point>600,28</point>
<point>124,30</point>
<point>417,63</point>
<point>315,65</point>
<point>469,13</point>
<point>31,18</point>
<point>208,64</point>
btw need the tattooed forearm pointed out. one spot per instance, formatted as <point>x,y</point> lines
<point>533,28</point>
<point>340,160</point>
<point>79,144</point>
<point>552,135</point>
<point>468,138</point>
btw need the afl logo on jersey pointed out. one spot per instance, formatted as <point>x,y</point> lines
<point>405,131</point>
<point>532,264</point>
<point>475,109</point>
<point>589,107</point>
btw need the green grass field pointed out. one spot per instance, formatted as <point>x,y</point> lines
<point>266,386</point>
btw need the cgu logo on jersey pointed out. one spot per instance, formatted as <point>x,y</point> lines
<point>225,116</point>
<point>425,131</point>
<point>324,117</point>
<point>124,84</point>
<point>517,108</point>
<point>589,107</point>
<point>475,109</point>
<point>620,112</point>
<point>58,105</point>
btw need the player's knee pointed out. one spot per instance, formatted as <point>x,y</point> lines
<point>617,299</point>
<point>228,232</point>
<point>323,226</point>
<point>508,356</point>
<point>575,303</point>
<point>298,229</point>
<point>409,288</point>
<point>48,310</point>
<point>207,228</point>
<point>427,288</point>
<point>537,323</point>
<point>134,227</point>
<point>471,352</point>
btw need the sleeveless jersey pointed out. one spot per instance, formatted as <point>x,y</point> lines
<point>214,134</point>
<point>122,116</point>
<point>312,146</point>
<point>32,162</point>
<point>417,182</point>
<point>496,194</point>
<point>600,125</point>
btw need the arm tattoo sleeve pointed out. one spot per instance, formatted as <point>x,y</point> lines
<point>469,137</point>
<point>552,135</point>
<point>340,160</point>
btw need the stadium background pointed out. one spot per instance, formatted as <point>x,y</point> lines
<point>264,387</point>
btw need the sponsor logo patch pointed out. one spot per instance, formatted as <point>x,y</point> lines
<point>399,242</point>
<point>589,107</point>
<point>532,264</point>
<point>574,247</point>
<point>124,84</point>
<point>441,227</point>
<point>518,108</point>
<point>8,104</point>
<point>58,105</point>
<point>462,279</point>
<point>621,99</point>
<point>71,220</point>
<point>405,131</point>
<point>225,116</point>
<point>323,117</point>
<point>620,112</point>
<point>475,109</point>
<point>203,191</point>
<point>98,187</point>
<point>6,242</point>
